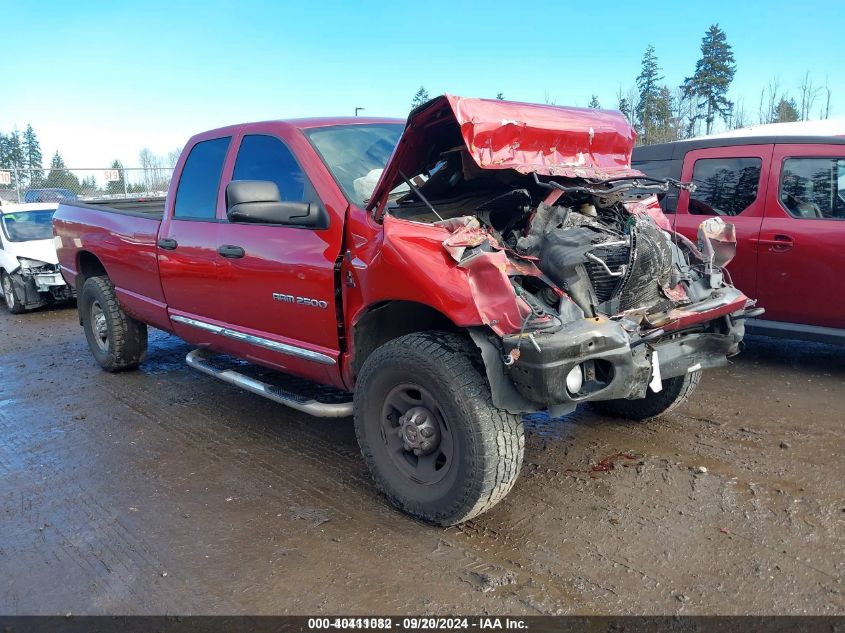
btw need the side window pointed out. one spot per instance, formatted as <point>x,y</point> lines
<point>813,187</point>
<point>196,195</point>
<point>724,186</point>
<point>262,157</point>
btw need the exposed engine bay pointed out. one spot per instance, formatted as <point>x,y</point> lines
<point>594,241</point>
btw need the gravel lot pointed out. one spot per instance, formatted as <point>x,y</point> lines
<point>164,491</point>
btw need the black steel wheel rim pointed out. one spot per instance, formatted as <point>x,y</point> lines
<point>432,466</point>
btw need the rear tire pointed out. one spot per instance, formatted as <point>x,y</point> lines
<point>470,451</point>
<point>675,392</point>
<point>10,297</point>
<point>116,340</point>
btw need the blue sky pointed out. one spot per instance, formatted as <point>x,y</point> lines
<point>100,80</point>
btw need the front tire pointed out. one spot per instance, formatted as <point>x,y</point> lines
<point>429,433</point>
<point>10,297</point>
<point>116,340</point>
<point>676,391</point>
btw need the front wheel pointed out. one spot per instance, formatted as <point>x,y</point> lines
<point>428,430</point>
<point>116,340</point>
<point>675,392</point>
<point>13,302</point>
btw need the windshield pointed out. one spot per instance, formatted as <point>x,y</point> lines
<point>356,154</point>
<point>29,225</point>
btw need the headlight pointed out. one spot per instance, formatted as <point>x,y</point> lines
<point>34,266</point>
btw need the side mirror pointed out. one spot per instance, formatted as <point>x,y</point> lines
<point>259,202</point>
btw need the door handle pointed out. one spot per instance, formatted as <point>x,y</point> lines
<point>167,244</point>
<point>778,243</point>
<point>230,252</point>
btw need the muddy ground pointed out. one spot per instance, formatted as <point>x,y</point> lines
<point>164,491</point>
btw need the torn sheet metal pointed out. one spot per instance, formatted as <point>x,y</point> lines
<point>466,232</point>
<point>650,207</point>
<point>492,293</point>
<point>717,241</point>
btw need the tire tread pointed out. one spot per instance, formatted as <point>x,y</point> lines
<point>501,433</point>
<point>127,336</point>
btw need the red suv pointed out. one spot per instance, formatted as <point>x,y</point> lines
<point>786,198</point>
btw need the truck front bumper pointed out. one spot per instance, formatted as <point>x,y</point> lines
<point>612,362</point>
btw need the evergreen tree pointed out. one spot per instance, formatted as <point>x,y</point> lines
<point>32,156</point>
<point>15,151</point>
<point>650,108</point>
<point>625,108</point>
<point>594,102</point>
<point>115,187</point>
<point>714,72</point>
<point>59,177</point>
<point>500,96</point>
<point>13,159</point>
<point>420,98</point>
<point>786,111</point>
<point>4,161</point>
<point>88,186</point>
<point>4,151</point>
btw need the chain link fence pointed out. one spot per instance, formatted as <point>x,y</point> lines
<point>53,185</point>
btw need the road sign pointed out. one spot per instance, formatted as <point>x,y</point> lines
<point>112,175</point>
<point>5,178</point>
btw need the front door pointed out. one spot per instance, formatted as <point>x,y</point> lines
<point>729,184</point>
<point>802,240</point>
<point>283,276</point>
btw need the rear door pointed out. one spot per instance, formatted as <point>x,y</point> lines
<point>187,243</point>
<point>802,239</point>
<point>282,278</point>
<point>730,184</point>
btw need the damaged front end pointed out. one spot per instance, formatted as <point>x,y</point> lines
<point>36,283</point>
<point>585,291</point>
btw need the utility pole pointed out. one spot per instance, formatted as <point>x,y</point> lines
<point>356,110</point>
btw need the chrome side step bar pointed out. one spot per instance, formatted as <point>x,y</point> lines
<point>200,360</point>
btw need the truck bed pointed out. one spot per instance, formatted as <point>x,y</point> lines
<point>145,207</point>
<point>121,234</point>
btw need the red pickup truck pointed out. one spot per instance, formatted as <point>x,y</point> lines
<point>442,277</point>
<point>785,196</point>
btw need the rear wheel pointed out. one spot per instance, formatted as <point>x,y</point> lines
<point>13,303</point>
<point>675,392</point>
<point>116,340</point>
<point>428,430</point>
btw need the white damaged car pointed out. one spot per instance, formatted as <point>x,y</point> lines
<point>29,268</point>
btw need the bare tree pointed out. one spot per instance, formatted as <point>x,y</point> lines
<point>824,113</point>
<point>739,118</point>
<point>809,94</point>
<point>156,176</point>
<point>770,97</point>
<point>173,156</point>
<point>548,99</point>
<point>627,102</point>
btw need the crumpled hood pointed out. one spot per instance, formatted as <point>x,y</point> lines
<point>543,139</point>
